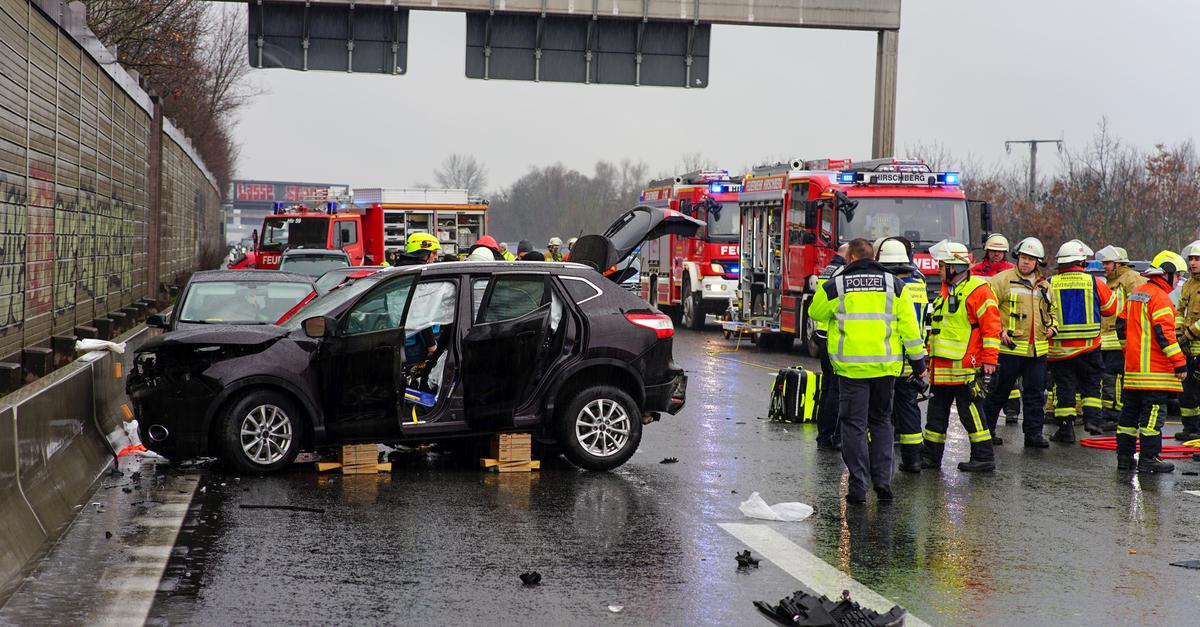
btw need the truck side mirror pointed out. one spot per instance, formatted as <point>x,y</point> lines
<point>345,237</point>
<point>254,237</point>
<point>985,217</point>
<point>810,215</point>
<point>846,205</point>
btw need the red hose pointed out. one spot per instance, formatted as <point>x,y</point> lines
<point>1169,451</point>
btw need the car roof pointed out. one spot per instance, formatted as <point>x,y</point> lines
<point>459,267</point>
<point>321,252</point>
<point>208,276</point>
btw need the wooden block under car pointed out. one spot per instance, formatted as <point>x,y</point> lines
<point>496,465</point>
<point>512,447</point>
<point>356,454</point>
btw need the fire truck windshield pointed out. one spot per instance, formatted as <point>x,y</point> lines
<point>284,233</point>
<point>725,225</point>
<point>923,221</point>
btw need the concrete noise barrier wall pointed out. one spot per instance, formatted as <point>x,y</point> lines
<point>58,436</point>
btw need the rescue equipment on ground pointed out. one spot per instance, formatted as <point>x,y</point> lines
<point>795,395</point>
<point>805,610</point>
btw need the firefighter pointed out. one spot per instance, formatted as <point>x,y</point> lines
<point>1154,365</point>
<point>828,437</point>
<point>571,246</point>
<point>871,331</point>
<point>895,255</point>
<point>504,252</point>
<point>1027,324</point>
<point>421,248</point>
<point>1122,280</point>
<point>485,248</point>
<point>1188,320</point>
<point>554,250</point>
<point>995,249</point>
<point>1081,301</point>
<point>963,342</point>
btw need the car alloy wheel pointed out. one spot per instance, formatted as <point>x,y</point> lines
<point>602,427</point>
<point>266,434</point>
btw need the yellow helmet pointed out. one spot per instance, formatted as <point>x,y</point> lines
<point>422,241</point>
<point>1166,262</point>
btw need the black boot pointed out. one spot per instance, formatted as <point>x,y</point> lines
<point>910,458</point>
<point>997,440</point>
<point>1066,431</point>
<point>1093,427</point>
<point>931,455</point>
<point>1036,440</point>
<point>983,458</point>
<point>1011,419</point>
<point>977,466</point>
<point>1190,431</point>
<point>1125,462</point>
<point>1154,464</point>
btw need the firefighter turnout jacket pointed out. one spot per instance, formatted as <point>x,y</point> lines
<point>965,331</point>
<point>1188,318</point>
<point>1025,312</point>
<point>834,266</point>
<point>918,291</point>
<point>987,269</point>
<point>871,323</point>
<point>1152,354</point>
<point>1122,281</point>
<point>1081,301</point>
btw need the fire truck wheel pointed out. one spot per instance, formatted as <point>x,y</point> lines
<point>693,312</point>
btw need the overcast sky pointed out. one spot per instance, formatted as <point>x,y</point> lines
<point>972,74</point>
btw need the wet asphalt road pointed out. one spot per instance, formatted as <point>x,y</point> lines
<point>1054,536</point>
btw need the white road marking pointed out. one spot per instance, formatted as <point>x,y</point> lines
<point>1192,492</point>
<point>809,569</point>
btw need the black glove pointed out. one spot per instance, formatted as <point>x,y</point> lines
<point>918,366</point>
<point>1181,370</point>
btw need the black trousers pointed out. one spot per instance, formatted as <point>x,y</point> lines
<point>1077,375</point>
<point>937,421</point>
<point>1189,401</point>
<point>1143,416</point>
<point>1112,379</point>
<point>906,418</point>
<point>865,406</point>
<point>827,413</point>
<point>1033,392</point>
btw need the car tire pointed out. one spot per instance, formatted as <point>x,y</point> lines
<point>275,428</point>
<point>594,420</point>
<point>693,316</point>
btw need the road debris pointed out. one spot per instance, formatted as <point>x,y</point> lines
<point>670,460</point>
<point>756,507</point>
<point>531,578</point>
<point>616,609</point>
<point>290,508</point>
<point>745,560</point>
<point>1193,564</point>
<point>805,610</point>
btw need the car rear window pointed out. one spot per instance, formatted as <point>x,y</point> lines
<point>513,296</point>
<point>313,265</point>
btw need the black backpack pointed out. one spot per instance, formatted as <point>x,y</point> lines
<point>794,397</point>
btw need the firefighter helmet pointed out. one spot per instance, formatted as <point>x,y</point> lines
<point>1031,246</point>
<point>1112,253</point>
<point>1192,250</point>
<point>892,250</point>
<point>996,241</point>
<point>950,253</point>
<point>1166,262</point>
<point>418,242</point>
<point>554,241</point>
<point>1073,251</point>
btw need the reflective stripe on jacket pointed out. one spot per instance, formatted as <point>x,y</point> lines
<point>1026,312</point>
<point>1152,354</point>
<point>871,323</point>
<point>834,266</point>
<point>1188,316</point>
<point>965,331</point>
<point>1123,281</point>
<point>1080,301</point>
<point>918,291</point>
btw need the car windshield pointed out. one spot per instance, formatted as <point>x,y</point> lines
<point>283,233</point>
<point>922,221</point>
<point>725,225</point>
<point>313,265</point>
<point>322,305</point>
<point>240,302</point>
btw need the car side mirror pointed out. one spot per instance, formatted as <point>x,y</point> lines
<point>316,327</point>
<point>159,321</point>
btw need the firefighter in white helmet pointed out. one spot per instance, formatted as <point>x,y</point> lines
<point>1082,301</point>
<point>1188,325</point>
<point>995,253</point>
<point>1027,323</point>
<point>554,250</point>
<point>895,255</point>
<point>1122,280</point>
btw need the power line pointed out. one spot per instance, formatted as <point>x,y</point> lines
<point>1033,147</point>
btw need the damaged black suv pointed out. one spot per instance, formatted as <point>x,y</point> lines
<point>422,353</point>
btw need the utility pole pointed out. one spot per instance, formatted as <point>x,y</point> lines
<point>1033,145</point>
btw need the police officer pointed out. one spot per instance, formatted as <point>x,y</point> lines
<point>1154,365</point>
<point>1027,324</point>
<point>896,256</point>
<point>1188,320</point>
<point>964,338</point>
<point>871,330</point>
<point>828,437</point>
<point>1122,280</point>
<point>1081,301</point>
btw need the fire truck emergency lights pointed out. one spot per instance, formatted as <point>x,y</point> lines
<point>847,177</point>
<point>950,178</point>
<point>716,188</point>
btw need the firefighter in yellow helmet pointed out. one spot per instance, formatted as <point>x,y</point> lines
<point>422,248</point>
<point>1122,280</point>
<point>1188,322</point>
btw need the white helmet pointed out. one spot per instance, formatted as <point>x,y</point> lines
<point>554,241</point>
<point>1191,250</point>
<point>950,253</point>
<point>893,251</point>
<point>571,242</point>
<point>1073,251</point>
<point>1031,246</point>
<point>1112,253</point>
<point>996,241</point>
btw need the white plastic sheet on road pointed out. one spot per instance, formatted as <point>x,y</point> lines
<point>756,507</point>
<point>88,345</point>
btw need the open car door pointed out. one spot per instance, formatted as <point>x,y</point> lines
<point>622,238</point>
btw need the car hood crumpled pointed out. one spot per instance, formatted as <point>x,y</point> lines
<point>228,335</point>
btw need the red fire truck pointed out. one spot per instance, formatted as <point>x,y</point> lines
<point>795,215</point>
<point>691,277</point>
<point>379,220</point>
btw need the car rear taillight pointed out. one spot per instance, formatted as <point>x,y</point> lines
<point>659,323</point>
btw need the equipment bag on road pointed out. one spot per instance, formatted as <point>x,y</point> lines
<point>795,394</point>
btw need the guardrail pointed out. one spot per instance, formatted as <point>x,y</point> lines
<point>58,437</point>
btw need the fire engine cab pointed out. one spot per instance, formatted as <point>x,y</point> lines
<point>300,226</point>
<point>795,215</point>
<point>691,277</point>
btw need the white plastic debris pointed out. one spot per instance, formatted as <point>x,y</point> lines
<point>89,345</point>
<point>616,609</point>
<point>756,507</point>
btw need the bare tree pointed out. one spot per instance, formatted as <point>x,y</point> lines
<point>693,161</point>
<point>462,172</point>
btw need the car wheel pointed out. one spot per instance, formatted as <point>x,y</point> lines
<point>600,428</point>
<point>260,433</point>
<point>693,314</point>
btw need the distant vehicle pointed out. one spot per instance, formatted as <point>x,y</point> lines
<point>313,262</point>
<point>344,276</point>
<point>237,297</point>
<point>426,352</point>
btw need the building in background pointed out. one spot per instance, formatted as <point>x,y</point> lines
<point>248,202</point>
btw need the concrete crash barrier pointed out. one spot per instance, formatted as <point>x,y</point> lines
<point>58,437</point>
